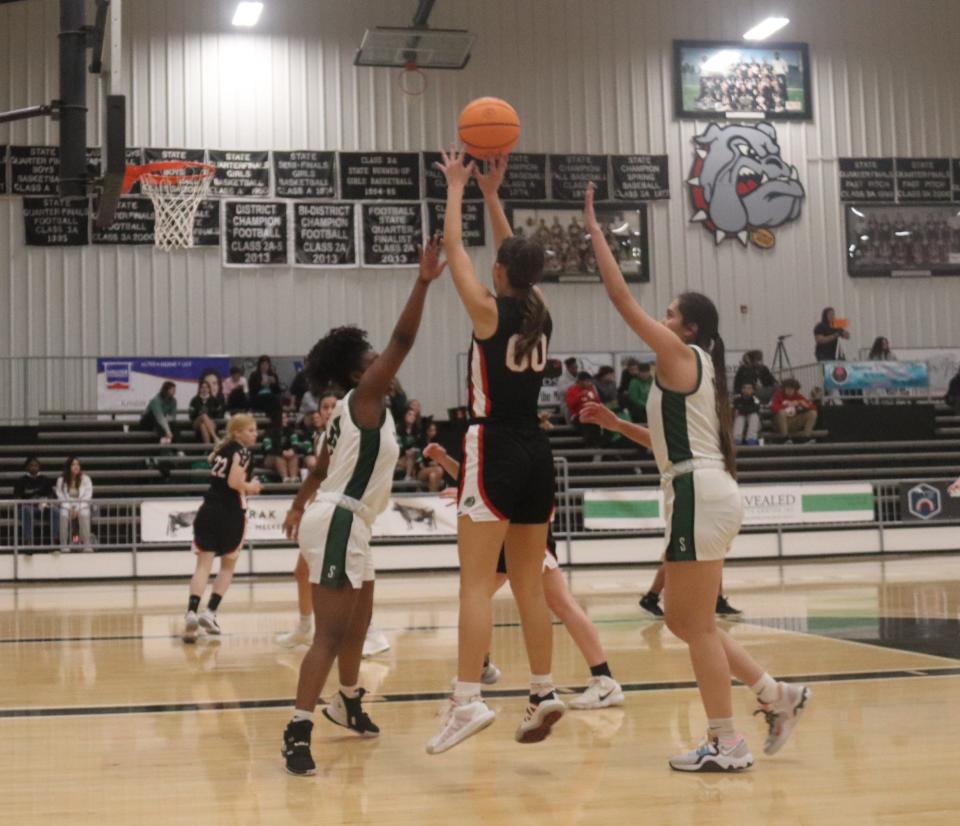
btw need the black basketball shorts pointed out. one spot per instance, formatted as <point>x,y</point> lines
<point>219,530</point>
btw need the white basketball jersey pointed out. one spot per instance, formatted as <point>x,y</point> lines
<point>685,426</point>
<point>362,461</point>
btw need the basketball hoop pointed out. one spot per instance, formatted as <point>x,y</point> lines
<point>176,189</point>
<point>412,79</point>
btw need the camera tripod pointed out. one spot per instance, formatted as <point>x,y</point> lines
<point>781,358</point>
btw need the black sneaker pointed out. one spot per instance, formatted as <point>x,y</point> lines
<point>725,609</point>
<point>347,712</point>
<point>296,747</point>
<point>650,603</point>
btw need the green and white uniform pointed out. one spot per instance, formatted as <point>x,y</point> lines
<point>336,527</point>
<point>702,506</point>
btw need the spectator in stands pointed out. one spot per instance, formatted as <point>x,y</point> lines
<point>880,351</point>
<point>212,378</point>
<point>315,426</point>
<point>577,396</point>
<point>606,384</point>
<point>746,419</point>
<point>298,389</point>
<point>74,490</point>
<point>953,392</point>
<point>752,370</point>
<point>282,448</point>
<point>635,384</point>
<point>408,438</point>
<point>397,400</point>
<point>205,409</point>
<point>161,413</point>
<point>792,411</point>
<point>568,377</point>
<point>235,391</point>
<point>309,404</point>
<point>266,391</point>
<point>827,337</point>
<point>33,485</point>
<point>429,473</point>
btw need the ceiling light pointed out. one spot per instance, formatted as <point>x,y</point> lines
<point>247,14</point>
<point>765,28</point>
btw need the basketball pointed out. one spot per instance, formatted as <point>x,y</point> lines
<point>488,126</point>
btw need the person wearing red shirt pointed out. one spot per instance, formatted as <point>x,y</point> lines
<point>792,411</point>
<point>577,396</point>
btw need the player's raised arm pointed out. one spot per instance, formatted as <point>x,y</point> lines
<point>490,181</point>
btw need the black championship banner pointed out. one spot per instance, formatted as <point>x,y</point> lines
<point>3,169</point>
<point>640,177</point>
<point>255,233</point>
<point>240,174</point>
<point>473,223</point>
<point>54,222</point>
<point>570,174</point>
<point>133,223</point>
<point>868,179</point>
<point>372,176</point>
<point>34,170</point>
<point>133,156</point>
<point>435,184</point>
<point>391,233</point>
<point>928,502</point>
<point>324,235</point>
<point>153,154</point>
<point>206,224</point>
<point>925,180</point>
<point>305,174</point>
<point>526,178</point>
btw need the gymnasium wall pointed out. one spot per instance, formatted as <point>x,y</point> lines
<point>585,76</point>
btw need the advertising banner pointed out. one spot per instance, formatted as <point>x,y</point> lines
<point>129,383</point>
<point>928,502</point>
<point>875,375</point>
<point>642,509</point>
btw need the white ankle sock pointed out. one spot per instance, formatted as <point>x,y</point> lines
<point>350,691</point>
<point>541,684</point>
<point>766,689</point>
<point>306,623</point>
<point>299,714</point>
<point>722,728</point>
<point>465,692</point>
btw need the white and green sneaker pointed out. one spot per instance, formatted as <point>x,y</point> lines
<point>712,756</point>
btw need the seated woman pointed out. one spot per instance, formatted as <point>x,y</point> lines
<point>408,437</point>
<point>235,391</point>
<point>74,490</point>
<point>429,473</point>
<point>205,409</point>
<point>282,449</point>
<point>162,412</point>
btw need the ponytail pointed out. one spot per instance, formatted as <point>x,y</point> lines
<point>534,321</point>
<point>724,410</point>
<point>523,260</point>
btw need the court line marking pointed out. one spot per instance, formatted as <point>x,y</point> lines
<point>437,696</point>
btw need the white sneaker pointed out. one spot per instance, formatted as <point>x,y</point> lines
<point>208,622</point>
<point>190,627</point>
<point>291,639</point>
<point>783,715</point>
<point>710,756</point>
<point>601,692</point>
<point>490,674</point>
<point>375,643</point>
<point>458,722</point>
<point>538,719</point>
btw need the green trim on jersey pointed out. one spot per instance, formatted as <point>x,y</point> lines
<point>366,460</point>
<point>334,571</point>
<point>360,427</point>
<point>682,547</point>
<point>696,387</point>
<point>673,409</point>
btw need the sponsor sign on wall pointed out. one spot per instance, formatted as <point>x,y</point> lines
<point>927,502</point>
<point>875,375</point>
<point>642,509</point>
<point>127,383</point>
<point>171,520</point>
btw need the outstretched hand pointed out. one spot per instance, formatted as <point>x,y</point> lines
<point>431,265</point>
<point>490,180</point>
<point>434,451</point>
<point>589,216</point>
<point>453,168</point>
<point>596,413</point>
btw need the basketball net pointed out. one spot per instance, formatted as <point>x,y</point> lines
<point>412,80</point>
<point>176,189</point>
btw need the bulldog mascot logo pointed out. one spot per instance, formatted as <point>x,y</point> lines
<point>740,186</point>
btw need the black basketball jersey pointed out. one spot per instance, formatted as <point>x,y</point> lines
<point>219,492</point>
<point>502,387</point>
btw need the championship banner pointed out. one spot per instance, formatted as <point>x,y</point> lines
<point>127,383</point>
<point>642,509</point>
<point>875,375</point>
<point>928,502</point>
<point>171,520</point>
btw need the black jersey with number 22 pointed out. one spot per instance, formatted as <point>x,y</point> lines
<point>220,493</point>
<point>504,388</point>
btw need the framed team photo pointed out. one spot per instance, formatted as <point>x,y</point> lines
<point>732,80</point>
<point>903,240</point>
<point>570,258</point>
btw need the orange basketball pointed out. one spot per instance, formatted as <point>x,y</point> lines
<point>488,126</point>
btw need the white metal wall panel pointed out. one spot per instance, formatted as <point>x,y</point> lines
<point>586,76</point>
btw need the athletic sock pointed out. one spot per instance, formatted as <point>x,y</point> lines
<point>464,693</point>
<point>306,623</point>
<point>299,714</point>
<point>541,687</point>
<point>194,603</point>
<point>722,729</point>
<point>214,603</point>
<point>602,670</point>
<point>766,689</point>
<point>350,691</point>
